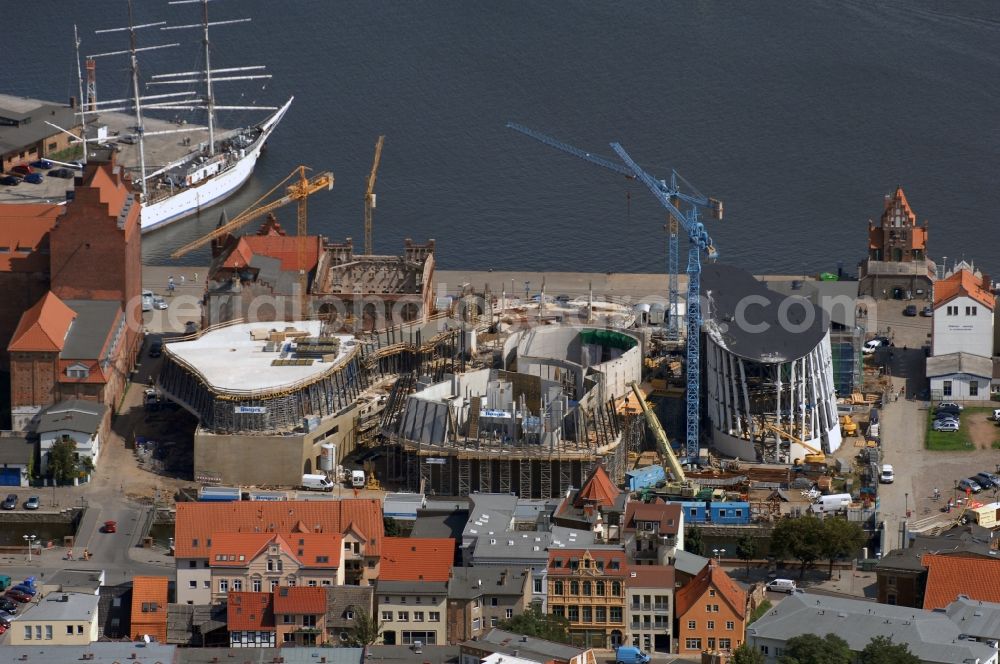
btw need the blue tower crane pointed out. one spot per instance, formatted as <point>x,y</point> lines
<point>670,196</point>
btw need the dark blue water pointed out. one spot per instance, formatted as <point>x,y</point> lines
<point>799,115</point>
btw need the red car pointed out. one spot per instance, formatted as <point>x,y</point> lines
<point>110,527</point>
<point>18,596</point>
<point>22,170</point>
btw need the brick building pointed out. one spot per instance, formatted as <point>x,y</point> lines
<point>25,132</point>
<point>711,613</point>
<point>149,608</point>
<point>897,265</point>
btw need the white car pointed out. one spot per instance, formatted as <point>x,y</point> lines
<point>159,303</point>
<point>871,346</point>
<point>946,425</point>
<point>888,476</point>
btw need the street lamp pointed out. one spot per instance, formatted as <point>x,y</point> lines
<point>30,541</point>
<point>718,554</point>
<point>906,504</point>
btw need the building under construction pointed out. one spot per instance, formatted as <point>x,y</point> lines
<point>535,429</point>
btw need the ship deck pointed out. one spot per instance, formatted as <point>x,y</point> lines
<point>160,150</point>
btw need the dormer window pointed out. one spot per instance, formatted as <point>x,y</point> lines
<point>77,371</point>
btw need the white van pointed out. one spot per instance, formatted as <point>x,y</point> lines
<point>358,479</point>
<point>316,483</point>
<point>831,503</point>
<point>781,586</point>
<point>147,300</point>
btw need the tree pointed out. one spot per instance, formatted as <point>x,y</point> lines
<point>532,622</point>
<point>800,538</point>
<point>391,527</point>
<point>812,649</point>
<point>881,650</point>
<point>62,461</point>
<point>693,542</point>
<point>841,538</point>
<point>366,631</point>
<point>747,549</point>
<point>746,654</point>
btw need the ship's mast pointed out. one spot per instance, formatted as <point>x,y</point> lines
<point>138,105</point>
<point>209,99</point>
<point>82,103</point>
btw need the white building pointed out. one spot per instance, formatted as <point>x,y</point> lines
<point>963,314</point>
<point>73,419</point>
<point>66,619</point>
<point>960,377</point>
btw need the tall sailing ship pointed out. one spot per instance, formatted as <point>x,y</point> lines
<point>212,169</point>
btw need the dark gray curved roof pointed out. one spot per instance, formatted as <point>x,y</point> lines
<point>755,322</point>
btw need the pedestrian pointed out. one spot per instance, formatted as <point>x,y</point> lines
<point>196,277</point>
<point>182,280</point>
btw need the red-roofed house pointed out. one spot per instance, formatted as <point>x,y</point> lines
<point>587,587</point>
<point>649,607</point>
<point>250,620</point>
<point>149,608</point>
<point>412,591</point>
<point>300,615</point>
<point>710,612</point>
<point>652,532</point>
<point>948,576</point>
<point>357,521</point>
<point>897,265</point>
<point>260,562</point>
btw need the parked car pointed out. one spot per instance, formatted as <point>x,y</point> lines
<point>781,586</point>
<point>8,606</point>
<point>63,173</point>
<point>33,503</point>
<point>910,310</point>
<point>10,180</point>
<point>159,302</point>
<point>927,311</point>
<point>871,346</point>
<point>26,589</point>
<point>993,477</point>
<point>630,655</point>
<point>888,476</point>
<point>4,623</point>
<point>18,596</point>
<point>950,405</point>
<point>10,502</point>
<point>34,178</point>
<point>985,480</point>
<point>43,164</point>
<point>969,484</point>
<point>22,170</point>
<point>949,426</point>
<point>3,628</point>
<point>156,347</point>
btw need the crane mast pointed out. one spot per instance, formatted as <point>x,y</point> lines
<point>370,197</point>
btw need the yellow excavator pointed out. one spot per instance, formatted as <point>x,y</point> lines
<point>681,485</point>
<point>815,456</point>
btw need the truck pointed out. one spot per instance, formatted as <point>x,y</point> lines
<point>681,485</point>
<point>358,479</point>
<point>316,483</point>
<point>219,494</point>
<point>630,655</point>
<point>832,503</point>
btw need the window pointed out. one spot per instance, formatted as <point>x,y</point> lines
<point>973,388</point>
<point>494,601</point>
<point>692,644</point>
<point>69,630</point>
<point>890,581</point>
<point>509,613</point>
<point>715,608</point>
<point>27,632</point>
<point>77,372</point>
<point>711,593</point>
<point>616,614</point>
<point>557,588</point>
<point>274,584</point>
<point>725,644</point>
<point>255,585</point>
<point>891,599</point>
<point>538,586</point>
<point>309,621</point>
<point>286,619</point>
<point>600,588</point>
<point>270,565</point>
<point>711,625</point>
<point>587,588</point>
<point>418,616</point>
<point>600,614</point>
<point>711,644</point>
<point>765,650</point>
<point>493,621</point>
<point>418,599</point>
<point>952,311</point>
<point>206,584</point>
<point>970,311</point>
<point>193,564</point>
<point>557,610</point>
<point>573,613</point>
<point>574,587</point>
<point>403,616</point>
<point>194,543</point>
<point>946,388</point>
<point>476,624</point>
<point>730,625</point>
<point>312,583</point>
<point>387,616</point>
<point>616,588</point>
<point>692,624</point>
<point>288,637</point>
<point>116,602</point>
<point>435,616</point>
<point>237,585</point>
<point>79,629</point>
<point>192,585</point>
<point>349,615</point>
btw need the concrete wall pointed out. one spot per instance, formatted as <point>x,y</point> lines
<point>274,460</point>
<point>961,332</point>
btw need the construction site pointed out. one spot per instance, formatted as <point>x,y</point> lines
<point>536,428</point>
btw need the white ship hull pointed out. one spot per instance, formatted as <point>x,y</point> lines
<point>188,201</point>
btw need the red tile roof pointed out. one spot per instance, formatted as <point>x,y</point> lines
<point>250,612</point>
<point>711,576</point>
<point>668,516</point>
<point>976,577</point>
<point>199,522</point>
<point>149,607</point>
<point>965,283</point>
<point>23,228</point>
<point>238,549</point>
<point>300,600</point>
<point>898,200</point>
<point>612,561</point>
<point>43,327</point>
<point>272,241</point>
<point>651,576</point>
<point>416,559</point>
<point>597,490</point>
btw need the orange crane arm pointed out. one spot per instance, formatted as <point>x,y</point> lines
<point>297,191</point>
<point>370,196</point>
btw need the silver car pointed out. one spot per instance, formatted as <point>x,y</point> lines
<point>949,426</point>
<point>970,485</point>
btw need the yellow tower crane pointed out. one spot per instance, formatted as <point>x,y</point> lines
<point>297,191</point>
<point>370,197</point>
